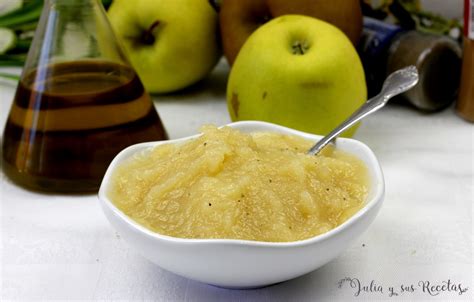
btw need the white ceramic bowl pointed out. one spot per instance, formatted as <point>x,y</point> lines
<point>240,263</point>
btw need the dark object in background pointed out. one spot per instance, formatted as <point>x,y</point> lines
<point>465,104</point>
<point>385,48</point>
<point>368,11</point>
<point>373,47</point>
<point>438,59</point>
<point>403,16</point>
<point>216,4</point>
<point>410,15</point>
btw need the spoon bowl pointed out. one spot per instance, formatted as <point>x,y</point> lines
<point>234,263</point>
<point>399,81</point>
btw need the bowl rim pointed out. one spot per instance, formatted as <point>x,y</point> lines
<point>377,198</point>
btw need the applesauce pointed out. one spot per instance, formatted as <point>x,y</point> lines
<point>228,184</point>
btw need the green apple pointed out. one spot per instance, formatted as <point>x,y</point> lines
<point>299,72</point>
<point>170,43</point>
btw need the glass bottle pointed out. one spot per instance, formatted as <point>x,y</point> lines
<point>438,60</point>
<point>78,103</point>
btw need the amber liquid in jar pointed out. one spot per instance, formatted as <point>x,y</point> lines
<point>69,120</point>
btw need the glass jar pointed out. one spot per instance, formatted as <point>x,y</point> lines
<point>78,103</point>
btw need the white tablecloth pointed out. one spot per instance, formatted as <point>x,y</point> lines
<point>62,247</point>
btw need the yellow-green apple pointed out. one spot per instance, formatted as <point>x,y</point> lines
<point>170,43</point>
<point>299,72</point>
<point>239,18</point>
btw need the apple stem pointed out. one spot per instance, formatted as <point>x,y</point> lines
<point>299,48</point>
<point>148,37</point>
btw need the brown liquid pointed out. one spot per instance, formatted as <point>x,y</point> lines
<point>69,120</point>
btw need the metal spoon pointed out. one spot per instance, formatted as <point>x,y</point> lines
<point>396,83</point>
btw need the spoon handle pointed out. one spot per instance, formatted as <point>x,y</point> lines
<point>370,106</point>
<point>396,83</point>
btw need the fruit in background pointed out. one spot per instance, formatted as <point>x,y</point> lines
<point>344,14</point>
<point>299,72</point>
<point>10,6</point>
<point>170,43</point>
<point>239,18</point>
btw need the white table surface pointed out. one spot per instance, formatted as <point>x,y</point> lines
<point>62,247</point>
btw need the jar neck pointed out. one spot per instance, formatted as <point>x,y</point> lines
<point>71,3</point>
<point>73,11</point>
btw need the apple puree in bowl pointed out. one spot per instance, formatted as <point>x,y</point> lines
<point>233,185</point>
